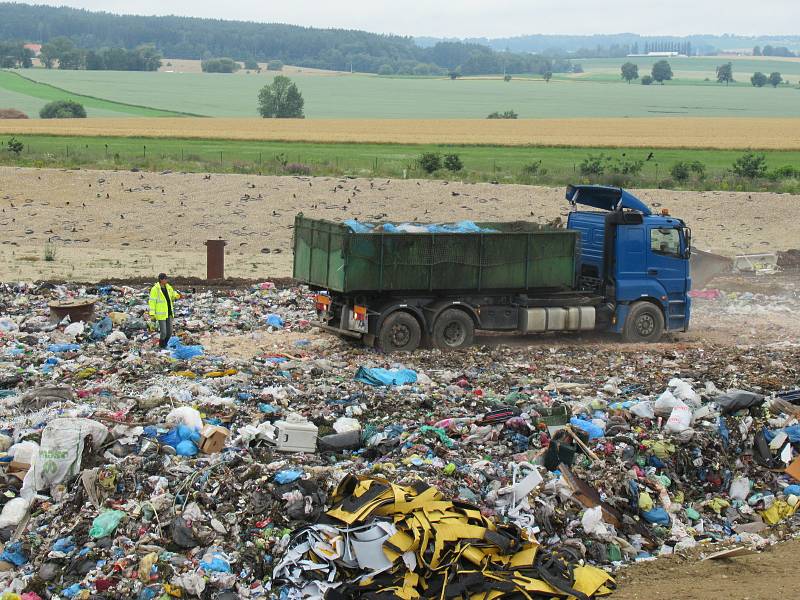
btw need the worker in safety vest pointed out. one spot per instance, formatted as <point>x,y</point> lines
<point>162,309</point>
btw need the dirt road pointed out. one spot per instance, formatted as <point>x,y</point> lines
<point>120,224</point>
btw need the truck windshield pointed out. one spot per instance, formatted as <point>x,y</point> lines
<point>665,241</point>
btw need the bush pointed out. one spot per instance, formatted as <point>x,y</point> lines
<point>386,70</point>
<point>274,65</point>
<point>594,165</point>
<point>12,113</point>
<point>624,166</point>
<point>452,162</point>
<point>251,64</point>
<point>219,65</point>
<point>785,172</point>
<point>506,77</point>
<point>15,146</point>
<point>680,171</point>
<point>297,169</point>
<point>63,109</point>
<point>430,162</point>
<point>750,165</point>
<point>647,79</point>
<point>534,169</point>
<point>509,114</point>
<point>683,170</point>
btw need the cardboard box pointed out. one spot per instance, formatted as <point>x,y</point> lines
<point>212,438</point>
<point>18,469</point>
<point>794,469</point>
<point>295,437</point>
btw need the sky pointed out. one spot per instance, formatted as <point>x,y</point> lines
<point>488,18</point>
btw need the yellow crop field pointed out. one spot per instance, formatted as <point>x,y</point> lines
<point>666,132</point>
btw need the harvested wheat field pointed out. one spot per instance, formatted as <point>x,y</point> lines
<point>118,224</point>
<point>666,132</point>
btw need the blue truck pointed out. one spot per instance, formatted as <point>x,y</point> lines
<point>617,267</point>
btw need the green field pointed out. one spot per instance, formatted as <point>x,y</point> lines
<point>481,163</point>
<point>20,92</point>
<point>694,69</point>
<point>363,96</point>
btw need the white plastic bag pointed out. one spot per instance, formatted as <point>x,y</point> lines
<point>73,330</point>
<point>62,448</point>
<point>185,415</point>
<point>344,424</point>
<point>665,403</point>
<point>679,418</point>
<point>683,391</point>
<point>13,512</point>
<point>592,522</point>
<point>643,410</point>
<point>740,488</point>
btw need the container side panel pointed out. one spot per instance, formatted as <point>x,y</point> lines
<point>503,261</point>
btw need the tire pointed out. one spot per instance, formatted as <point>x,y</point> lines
<point>400,332</point>
<point>453,330</point>
<point>645,323</point>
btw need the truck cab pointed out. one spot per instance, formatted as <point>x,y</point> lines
<point>637,260</point>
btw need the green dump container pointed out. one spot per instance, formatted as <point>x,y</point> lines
<point>517,256</point>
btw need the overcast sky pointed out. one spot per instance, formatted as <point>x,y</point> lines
<point>489,18</point>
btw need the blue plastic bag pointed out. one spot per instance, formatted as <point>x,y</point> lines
<point>358,226</point>
<point>65,545</point>
<point>287,476</point>
<point>215,561</point>
<point>593,430</point>
<point>72,591</point>
<point>13,554</point>
<point>274,320</point>
<point>793,489</point>
<point>182,352</point>
<point>383,377</point>
<point>657,516</point>
<point>101,329</point>
<point>186,448</point>
<point>57,348</point>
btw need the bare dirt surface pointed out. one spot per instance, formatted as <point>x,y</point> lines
<point>120,224</point>
<point>767,575</point>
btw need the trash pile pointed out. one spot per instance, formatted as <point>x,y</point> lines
<point>312,467</point>
<point>460,227</point>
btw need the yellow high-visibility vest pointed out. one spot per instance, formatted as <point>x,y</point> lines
<point>158,302</point>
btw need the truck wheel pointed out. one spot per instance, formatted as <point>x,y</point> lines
<point>400,332</point>
<point>645,323</point>
<point>453,329</point>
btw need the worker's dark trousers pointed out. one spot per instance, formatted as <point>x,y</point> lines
<point>164,332</point>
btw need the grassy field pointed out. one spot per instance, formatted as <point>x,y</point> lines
<point>694,70</point>
<point>347,96</point>
<point>481,163</point>
<point>666,132</point>
<point>20,92</point>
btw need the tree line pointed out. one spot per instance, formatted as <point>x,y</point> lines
<point>62,53</point>
<point>204,39</point>
<point>14,55</point>
<point>773,51</point>
<point>662,71</point>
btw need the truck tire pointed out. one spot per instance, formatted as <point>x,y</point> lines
<point>453,329</point>
<point>400,332</point>
<point>645,323</point>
